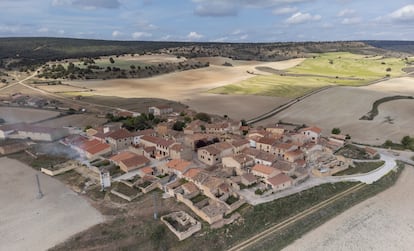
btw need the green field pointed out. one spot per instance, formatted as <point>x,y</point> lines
<point>339,68</point>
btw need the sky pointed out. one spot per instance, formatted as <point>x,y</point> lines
<point>210,20</point>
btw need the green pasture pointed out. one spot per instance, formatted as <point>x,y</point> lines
<point>339,68</point>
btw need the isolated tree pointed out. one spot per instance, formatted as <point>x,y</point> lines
<point>111,60</point>
<point>179,125</point>
<point>336,131</point>
<point>407,141</point>
<point>388,69</point>
<point>203,117</point>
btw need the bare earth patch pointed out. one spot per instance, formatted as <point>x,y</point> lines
<point>237,107</point>
<point>16,115</point>
<point>76,120</point>
<point>401,86</point>
<point>27,223</point>
<point>384,222</point>
<point>343,106</point>
<point>190,87</point>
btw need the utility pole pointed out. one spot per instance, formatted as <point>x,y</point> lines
<point>154,196</point>
<point>39,194</point>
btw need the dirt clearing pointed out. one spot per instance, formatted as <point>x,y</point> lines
<point>28,223</point>
<point>237,107</point>
<point>77,120</point>
<point>16,115</point>
<point>384,222</point>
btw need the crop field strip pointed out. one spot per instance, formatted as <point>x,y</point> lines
<point>260,236</point>
<point>342,69</point>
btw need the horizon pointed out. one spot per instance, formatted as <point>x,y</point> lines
<point>205,42</point>
<point>231,21</point>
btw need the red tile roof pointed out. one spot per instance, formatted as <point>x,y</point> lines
<point>98,148</point>
<point>122,156</point>
<point>192,172</point>
<point>279,179</point>
<point>157,141</point>
<point>240,142</point>
<point>134,161</point>
<point>119,134</point>
<point>264,169</point>
<point>267,141</point>
<point>313,129</point>
<point>178,164</point>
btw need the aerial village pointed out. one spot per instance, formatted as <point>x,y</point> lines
<point>213,167</point>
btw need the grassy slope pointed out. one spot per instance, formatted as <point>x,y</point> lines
<point>345,65</point>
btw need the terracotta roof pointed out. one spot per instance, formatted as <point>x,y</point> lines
<point>240,142</point>
<point>178,164</point>
<point>149,149</point>
<point>284,146</point>
<point>221,146</point>
<point>147,170</point>
<point>294,153</point>
<point>300,162</point>
<point>224,187</point>
<point>122,156</point>
<point>370,151</point>
<point>211,149</point>
<point>134,161</point>
<point>190,187</point>
<point>88,144</point>
<point>252,152</point>
<point>242,158</point>
<point>177,147</point>
<point>267,141</point>
<point>266,157</point>
<point>157,141</point>
<point>313,129</point>
<point>283,166</point>
<point>192,172</point>
<point>264,169</point>
<point>97,148</point>
<point>249,177</point>
<point>279,179</point>
<point>119,134</point>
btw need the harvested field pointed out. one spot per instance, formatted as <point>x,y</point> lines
<point>399,86</point>
<point>76,120</point>
<point>28,223</point>
<point>132,104</point>
<point>188,87</point>
<point>237,107</point>
<point>343,106</point>
<point>61,88</point>
<point>383,222</point>
<point>178,85</point>
<point>16,114</point>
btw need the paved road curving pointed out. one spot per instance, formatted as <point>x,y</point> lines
<point>367,178</point>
